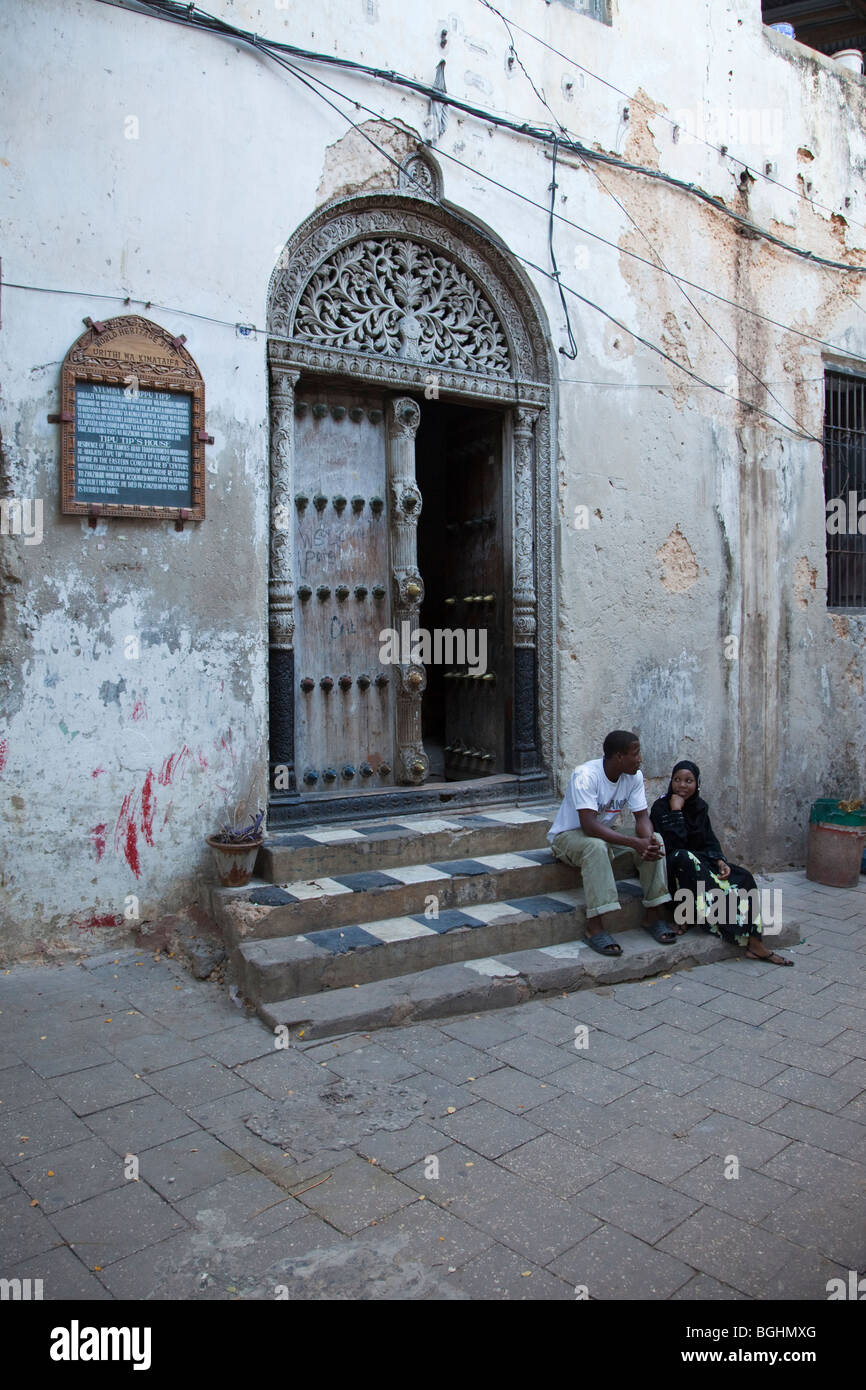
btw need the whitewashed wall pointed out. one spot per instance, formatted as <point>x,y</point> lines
<point>147,160</point>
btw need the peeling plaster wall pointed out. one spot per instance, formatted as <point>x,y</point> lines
<point>693,605</point>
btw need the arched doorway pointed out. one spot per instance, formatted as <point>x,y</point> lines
<point>411,494</point>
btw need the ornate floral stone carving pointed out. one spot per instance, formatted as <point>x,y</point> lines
<point>420,176</point>
<point>399,298</point>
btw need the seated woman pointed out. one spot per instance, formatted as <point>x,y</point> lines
<point>695,863</point>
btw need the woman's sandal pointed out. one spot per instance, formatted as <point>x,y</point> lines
<point>604,944</point>
<point>771,959</point>
<point>661,932</point>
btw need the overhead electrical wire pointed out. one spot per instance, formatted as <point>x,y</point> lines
<point>190,15</point>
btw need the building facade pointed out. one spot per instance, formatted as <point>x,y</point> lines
<point>537,330</point>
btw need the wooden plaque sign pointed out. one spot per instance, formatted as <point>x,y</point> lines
<point>132,424</point>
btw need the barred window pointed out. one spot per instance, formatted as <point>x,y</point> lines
<point>845,489</point>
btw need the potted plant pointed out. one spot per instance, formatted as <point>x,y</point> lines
<point>237,842</point>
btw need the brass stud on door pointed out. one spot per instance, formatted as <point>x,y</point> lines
<point>360,591</point>
<point>384,769</point>
<point>348,772</point>
<point>304,592</point>
<point>323,592</point>
<point>376,505</point>
<point>356,413</point>
<point>301,500</point>
<point>339,505</point>
<point>345,682</point>
<point>413,590</point>
<point>357,505</point>
<point>342,591</point>
<point>308,684</point>
<point>327,683</point>
<point>379,591</point>
<point>311,777</point>
<point>320,501</point>
<point>329,775</point>
<point>365,770</point>
<point>364,682</point>
<point>381,681</point>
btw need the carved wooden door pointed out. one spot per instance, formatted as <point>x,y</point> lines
<point>475,690</point>
<point>345,697</point>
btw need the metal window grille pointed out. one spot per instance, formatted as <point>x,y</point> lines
<point>845,489</point>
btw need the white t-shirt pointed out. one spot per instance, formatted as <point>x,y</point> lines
<point>590,790</point>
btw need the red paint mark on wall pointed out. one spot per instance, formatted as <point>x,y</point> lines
<point>97,771</point>
<point>139,710</point>
<point>100,919</point>
<point>4,751</point>
<point>131,850</point>
<point>97,835</point>
<point>226,742</point>
<point>126,834</point>
<point>173,765</point>
<point>202,759</point>
<point>148,806</point>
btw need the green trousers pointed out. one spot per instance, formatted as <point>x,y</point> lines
<point>595,859</point>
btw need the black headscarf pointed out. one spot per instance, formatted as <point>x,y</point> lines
<point>695,809</point>
<point>699,834</point>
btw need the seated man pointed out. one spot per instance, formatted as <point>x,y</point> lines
<point>583,834</point>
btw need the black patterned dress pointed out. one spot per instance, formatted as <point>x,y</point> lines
<point>727,907</point>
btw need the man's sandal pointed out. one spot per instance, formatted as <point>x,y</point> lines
<point>771,959</point>
<point>661,932</point>
<point>604,943</point>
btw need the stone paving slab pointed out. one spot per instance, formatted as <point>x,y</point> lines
<point>64,1276</point>
<point>71,1174</point>
<point>117,1223</point>
<point>499,1274</point>
<point>35,1129</point>
<point>611,1264</point>
<point>642,1206</point>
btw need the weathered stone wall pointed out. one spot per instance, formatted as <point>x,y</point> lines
<point>167,166</point>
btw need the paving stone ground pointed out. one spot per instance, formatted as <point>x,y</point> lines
<point>708,1142</point>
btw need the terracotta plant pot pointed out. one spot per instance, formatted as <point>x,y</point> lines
<point>234,863</point>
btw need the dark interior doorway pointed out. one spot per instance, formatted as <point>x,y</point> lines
<point>462,559</point>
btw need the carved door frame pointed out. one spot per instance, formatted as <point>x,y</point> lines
<point>480,334</point>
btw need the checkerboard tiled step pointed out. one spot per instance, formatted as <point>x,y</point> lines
<point>373,950</point>
<point>326,903</point>
<point>331,850</point>
<point>494,982</point>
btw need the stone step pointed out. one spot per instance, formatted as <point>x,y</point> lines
<point>483,983</point>
<point>374,950</point>
<point>325,904</point>
<point>328,851</point>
